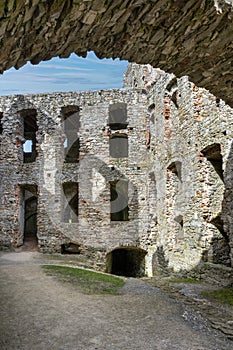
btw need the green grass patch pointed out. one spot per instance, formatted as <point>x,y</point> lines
<point>224,296</point>
<point>184,280</point>
<point>89,282</point>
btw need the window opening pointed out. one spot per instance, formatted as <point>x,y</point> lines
<point>214,156</point>
<point>70,203</point>
<point>119,200</point>
<point>174,204</point>
<point>118,146</point>
<point>71,120</point>
<point>27,146</point>
<point>175,168</point>
<point>29,129</point>
<point>117,116</point>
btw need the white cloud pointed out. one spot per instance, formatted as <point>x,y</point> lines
<point>72,74</point>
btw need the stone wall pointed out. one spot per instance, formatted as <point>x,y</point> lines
<point>175,173</point>
<point>187,38</point>
<point>191,136</point>
<point>50,175</point>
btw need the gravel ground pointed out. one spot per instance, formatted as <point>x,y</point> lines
<point>39,312</point>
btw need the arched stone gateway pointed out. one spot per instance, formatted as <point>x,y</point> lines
<point>126,261</point>
<point>184,37</point>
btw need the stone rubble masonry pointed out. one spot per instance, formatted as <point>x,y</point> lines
<point>179,172</point>
<point>184,37</point>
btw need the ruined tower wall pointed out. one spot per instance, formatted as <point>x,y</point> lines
<point>169,160</point>
<point>93,172</point>
<point>191,135</point>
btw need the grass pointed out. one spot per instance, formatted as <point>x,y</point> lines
<point>184,280</point>
<point>224,296</point>
<point>89,282</point>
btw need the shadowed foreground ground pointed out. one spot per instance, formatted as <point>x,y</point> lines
<point>39,312</point>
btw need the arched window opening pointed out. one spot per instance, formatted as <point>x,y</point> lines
<point>70,202</point>
<point>29,129</point>
<point>129,262</point>
<point>71,120</point>
<point>118,146</point>
<point>213,154</point>
<point>119,200</point>
<point>117,116</point>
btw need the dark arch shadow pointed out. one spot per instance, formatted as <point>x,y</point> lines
<point>126,261</point>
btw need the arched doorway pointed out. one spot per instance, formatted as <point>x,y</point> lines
<point>127,261</point>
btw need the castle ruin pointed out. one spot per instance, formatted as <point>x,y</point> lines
<point>137,179</point>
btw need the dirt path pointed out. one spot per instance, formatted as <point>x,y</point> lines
<point>39,312</point>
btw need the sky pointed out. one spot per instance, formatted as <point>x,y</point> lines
<point>69,74</point>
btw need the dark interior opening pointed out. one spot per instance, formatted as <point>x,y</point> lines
<point>175,168</point>
<point>118,146</point>
<point>71,119</point>
<point>70,206</point>
<point>70,248</point>
<point>213,155</point>
<point>129,262</point>
<point>29,203</point>
<point>30,128</point>
<point>119,200</point>
<point>221,247</point>
<point>117,116</point>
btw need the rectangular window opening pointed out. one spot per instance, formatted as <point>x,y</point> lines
<point>70,202</point>
<point>119,200</point>
<point>30,128</point>
<point>71,120</point>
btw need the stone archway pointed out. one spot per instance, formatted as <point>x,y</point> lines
<point>126,261</point>
<point>187,38</point>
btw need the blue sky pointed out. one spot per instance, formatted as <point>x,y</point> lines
<point>70,74</point>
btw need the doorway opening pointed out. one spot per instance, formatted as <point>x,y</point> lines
<point>28,216</point>
<point>127,261</point>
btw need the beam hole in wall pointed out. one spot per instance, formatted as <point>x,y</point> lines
<point>127,261</point>
<point>70,248</point>
<point>117,116</point>
<point>214,156</point>
<point>71,125</point>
